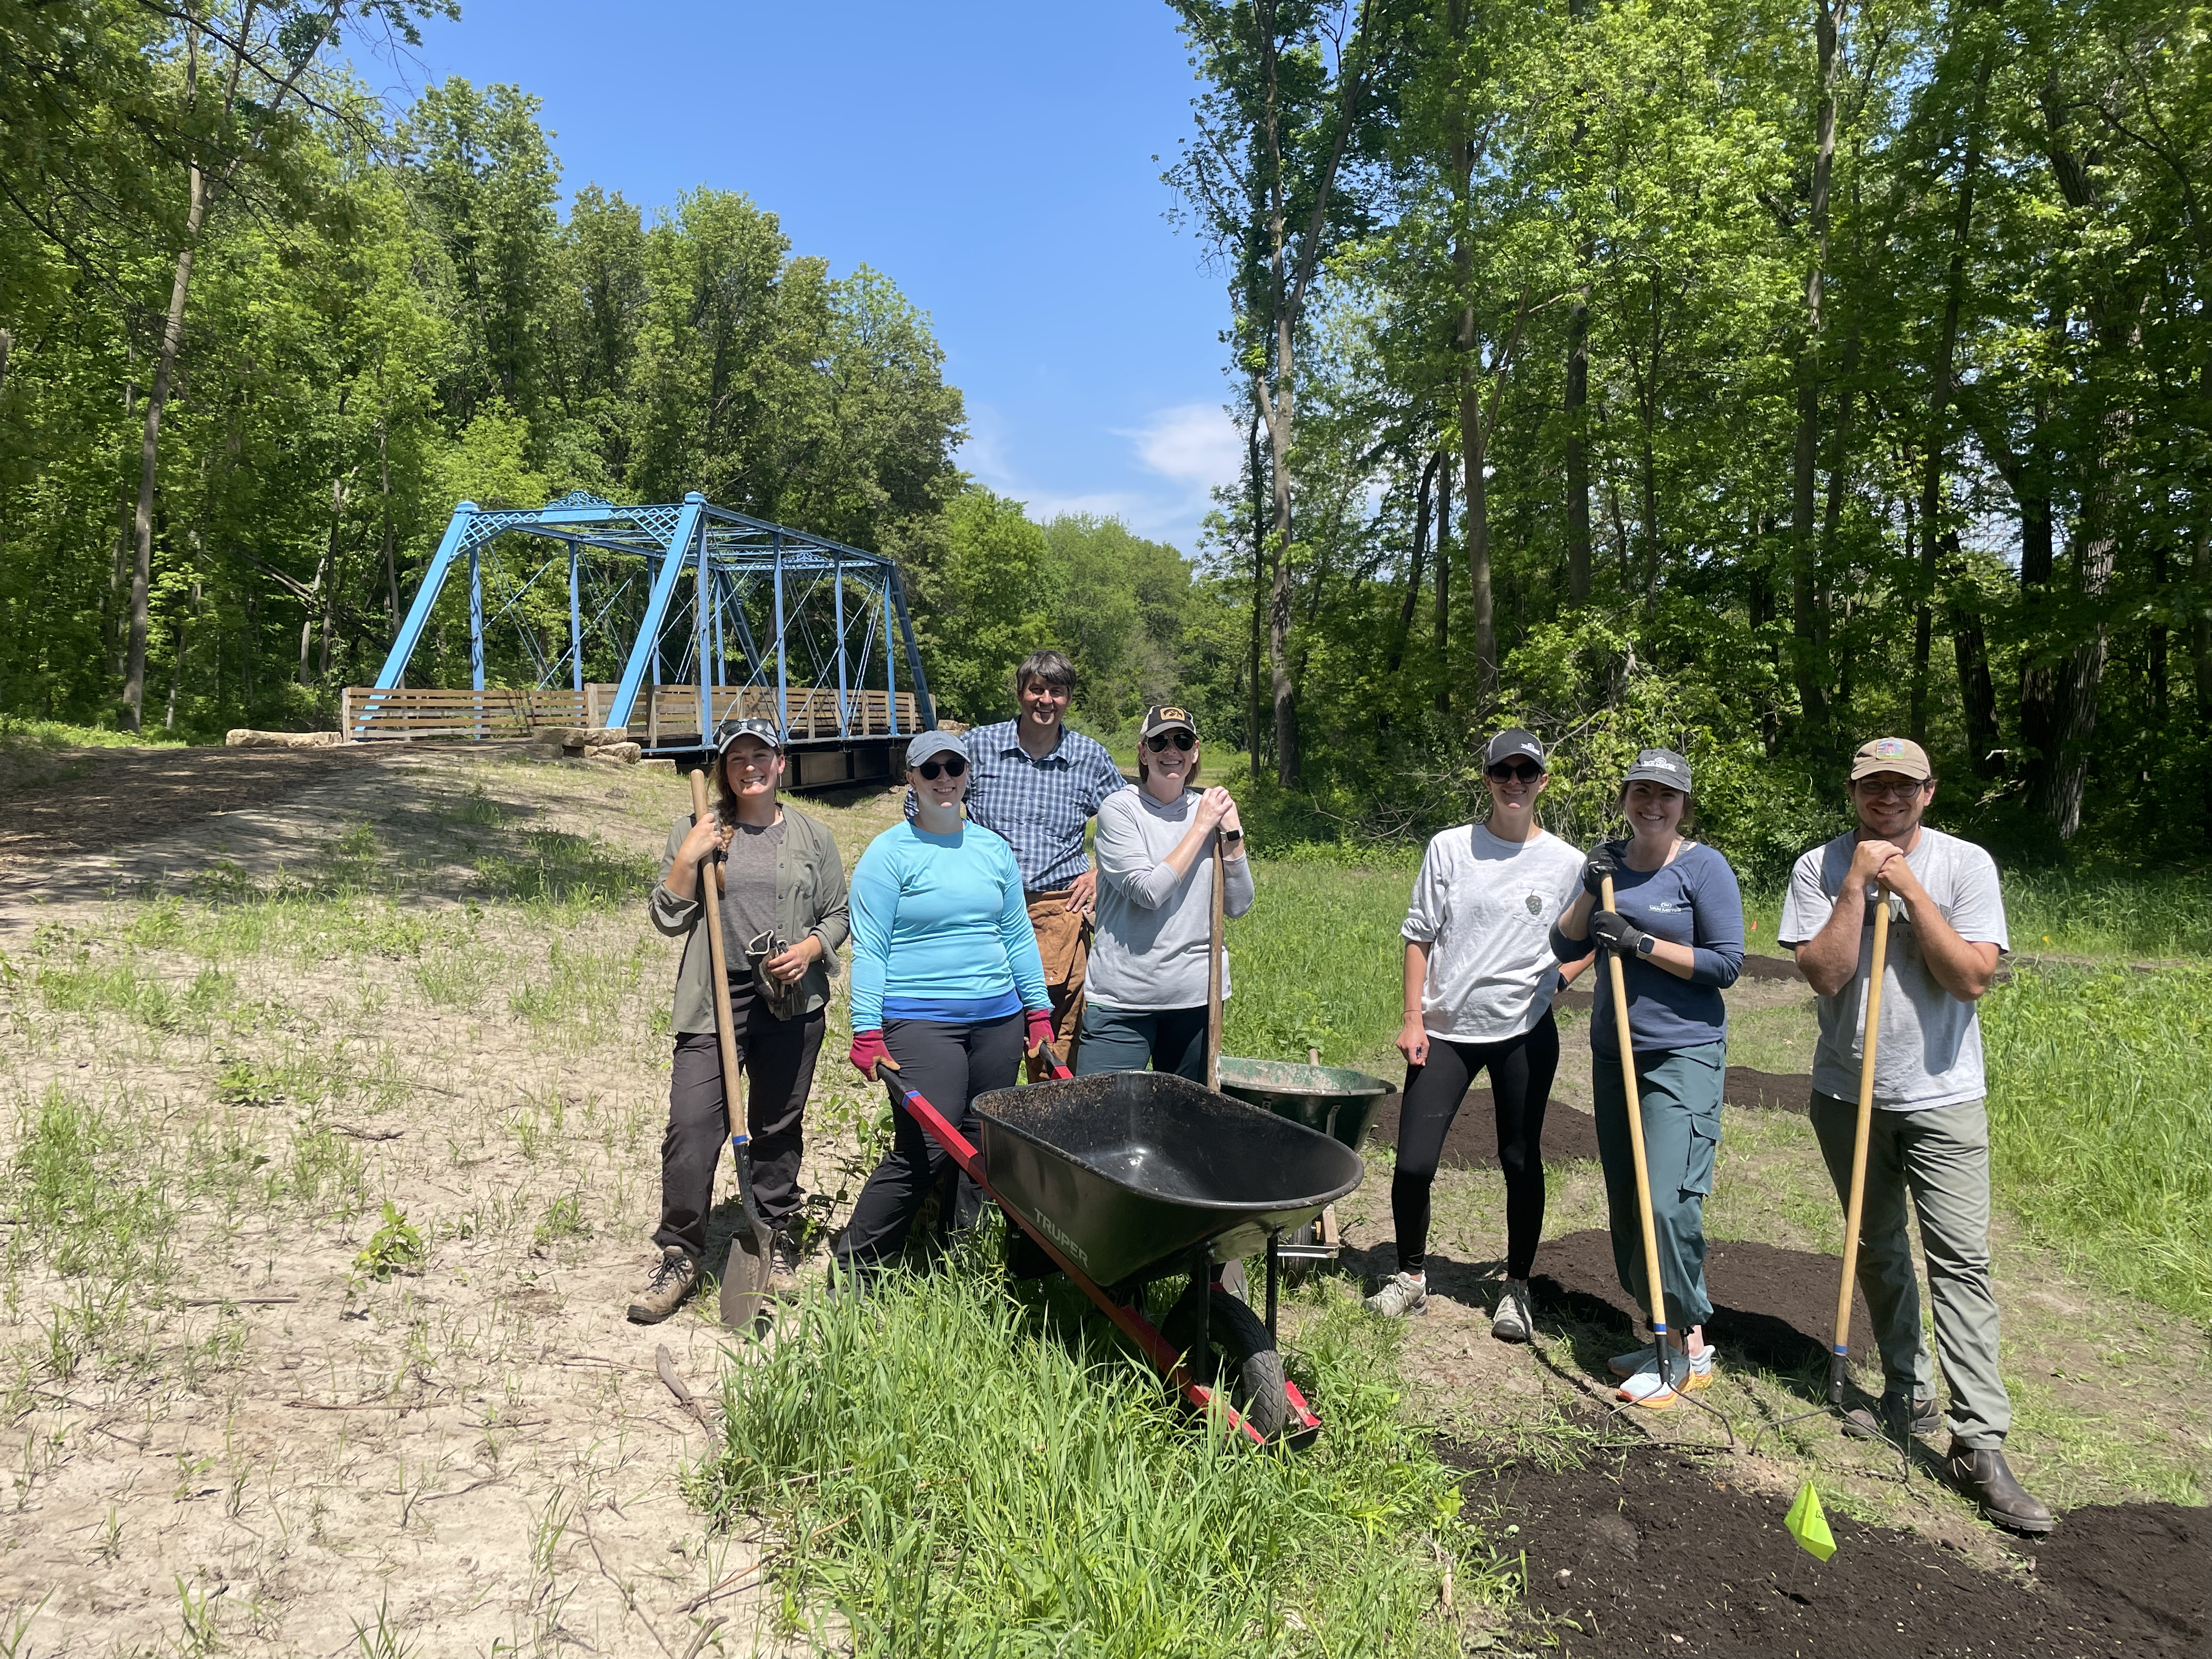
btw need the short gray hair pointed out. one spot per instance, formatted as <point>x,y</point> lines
<point>1049,665</point>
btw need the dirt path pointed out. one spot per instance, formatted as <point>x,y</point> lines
<point>406,996</point>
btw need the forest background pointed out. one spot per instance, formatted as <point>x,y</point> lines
<point>1748,377</point>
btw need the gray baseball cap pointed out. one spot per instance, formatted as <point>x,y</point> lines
<point>1512,741</point>
<point>730,731</point>
<point>929,743</point>
<point>1659,766</point>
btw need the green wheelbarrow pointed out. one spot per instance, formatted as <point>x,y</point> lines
<point>1335,1100</point>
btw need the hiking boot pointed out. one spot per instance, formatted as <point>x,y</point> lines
<point>1403,1294</point>
<point>784,1254</point>
<point>1897,1418</point>
<point>1984,1475</point>
<point>1515,1321</point>
<point>1686,1376</point>
<point>675,1277</point>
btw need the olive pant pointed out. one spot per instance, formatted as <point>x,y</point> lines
<point>1681,1091</point>
<point>1940,1159</point>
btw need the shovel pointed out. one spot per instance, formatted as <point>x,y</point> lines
<point>1840,1356</point>
<point>1656,1292</point>
<point>1214,980</point>
<point>745,1276</point>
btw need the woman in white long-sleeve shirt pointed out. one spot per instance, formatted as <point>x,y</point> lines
<point>1145,991</point>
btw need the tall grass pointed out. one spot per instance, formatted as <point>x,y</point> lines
<point>1317,964</point>
<point>962,1473</point>
<point>2100,1121</point>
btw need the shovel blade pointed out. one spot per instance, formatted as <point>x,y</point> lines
<point>744,1285</point>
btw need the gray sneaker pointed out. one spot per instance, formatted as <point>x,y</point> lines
<point>1627,1365</point>
<point>1515,1320</point>
<point>675,1278</point>
<point>1403,1294</point>
<point>784,1259</point>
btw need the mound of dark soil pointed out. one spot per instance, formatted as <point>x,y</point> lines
<point>1773,1307</point>
<point>1777,967</point>
<point>1471,1141</point>
<point>1771,1091</point>
<point>1658,1555</point>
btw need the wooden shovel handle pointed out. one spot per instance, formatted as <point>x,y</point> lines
<point>1214,976</point>
<point>1655,1291</point>
<point>1856,1205</point>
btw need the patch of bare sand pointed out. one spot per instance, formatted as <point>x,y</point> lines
<point>262,1028</point>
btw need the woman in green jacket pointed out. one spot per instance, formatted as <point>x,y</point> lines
<point>782,898</point>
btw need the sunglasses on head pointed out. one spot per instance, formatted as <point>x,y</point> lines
<point>952,766</point>
<point>1526,771</point>
<point>1182,740</point>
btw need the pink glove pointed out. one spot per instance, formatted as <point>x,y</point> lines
<point>868,1053</point>
<point>1038,1022</point>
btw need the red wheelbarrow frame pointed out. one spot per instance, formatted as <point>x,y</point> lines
<point>1302,1426</point>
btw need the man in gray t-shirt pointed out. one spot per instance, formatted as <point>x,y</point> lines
<point>1930,1137</point>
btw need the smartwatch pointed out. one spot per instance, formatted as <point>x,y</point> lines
<point>1232,834</point>
<point>1644,945</point>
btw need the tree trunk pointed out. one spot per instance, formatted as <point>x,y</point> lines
<point>1444,590</point>
<point>1474,530</point>
<point>1936,443</point>
<point>1414,569</point>
<point>1254,722</point>
<point>391,568</point>
<point>1809,653</point>
<point>149,447</point>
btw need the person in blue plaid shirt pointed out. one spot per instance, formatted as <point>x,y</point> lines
<point>1037,786</point>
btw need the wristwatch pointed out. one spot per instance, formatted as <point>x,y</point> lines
<point>1644,945</point>
<point>1232,834</point>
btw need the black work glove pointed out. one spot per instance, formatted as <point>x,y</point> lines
<point>1616,932</point>
<point>1604,861</point>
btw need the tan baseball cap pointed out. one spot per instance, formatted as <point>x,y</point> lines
<point>1899,755</point>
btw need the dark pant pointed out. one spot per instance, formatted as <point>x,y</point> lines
<point>948,1065</point>
<point>1521,1071</point>
<point>1128,1040</point>
<point>777,1057</point>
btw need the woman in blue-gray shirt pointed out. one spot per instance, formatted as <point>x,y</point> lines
<point>1677,926</point>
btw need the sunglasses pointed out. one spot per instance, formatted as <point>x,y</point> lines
<point>1182,740</point>
<point>952,766</point>
<point>1526,771</point>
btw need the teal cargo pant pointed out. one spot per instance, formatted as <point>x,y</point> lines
<point>1938,1158</point>
<point>1681,1091</point>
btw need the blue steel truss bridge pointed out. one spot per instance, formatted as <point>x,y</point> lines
<point>703,613</point>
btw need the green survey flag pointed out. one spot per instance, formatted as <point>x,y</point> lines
<point>1808,1525</point>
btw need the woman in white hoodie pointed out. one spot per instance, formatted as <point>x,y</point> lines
<point>1479,979</point>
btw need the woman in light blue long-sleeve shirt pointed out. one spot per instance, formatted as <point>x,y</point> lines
<point>948,988</point>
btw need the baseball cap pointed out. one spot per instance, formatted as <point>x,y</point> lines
<point>730,731</point>
<point>1659,766</point>
<point>1166,717</point>
<point>1514,740</point>
<point>1899,755</point>
<point>927,743</point>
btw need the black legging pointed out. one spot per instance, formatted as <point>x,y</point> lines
<point>1521,1073</point>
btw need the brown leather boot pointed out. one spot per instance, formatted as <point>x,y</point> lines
<point>1985,1476</point>
<point>675,1277</point>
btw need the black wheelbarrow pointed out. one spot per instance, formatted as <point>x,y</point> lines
<point>1334,1100</point>
<point>1130,1177</point>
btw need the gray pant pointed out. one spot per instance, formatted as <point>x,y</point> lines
<point>1941,1157</point>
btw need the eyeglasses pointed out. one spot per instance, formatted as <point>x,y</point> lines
<point>1526,771</point>
<point>1902,788</point>
<point>1182,740</point>
<point>952,766</point>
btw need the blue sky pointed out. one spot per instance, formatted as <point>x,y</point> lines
<point>994,159</point>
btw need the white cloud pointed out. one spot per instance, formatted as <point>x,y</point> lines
<point>1196,445</point>
<point>1190,449</point>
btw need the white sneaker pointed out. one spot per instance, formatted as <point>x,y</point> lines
<point>1403,1294</point>
<point>1645,1389</point>
<point>1515,1321</point>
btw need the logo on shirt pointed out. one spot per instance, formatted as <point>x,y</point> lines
<point>1667,906</point>
<point>1535,905</point>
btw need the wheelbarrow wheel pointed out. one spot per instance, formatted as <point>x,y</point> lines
<point>1254,1368</point>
